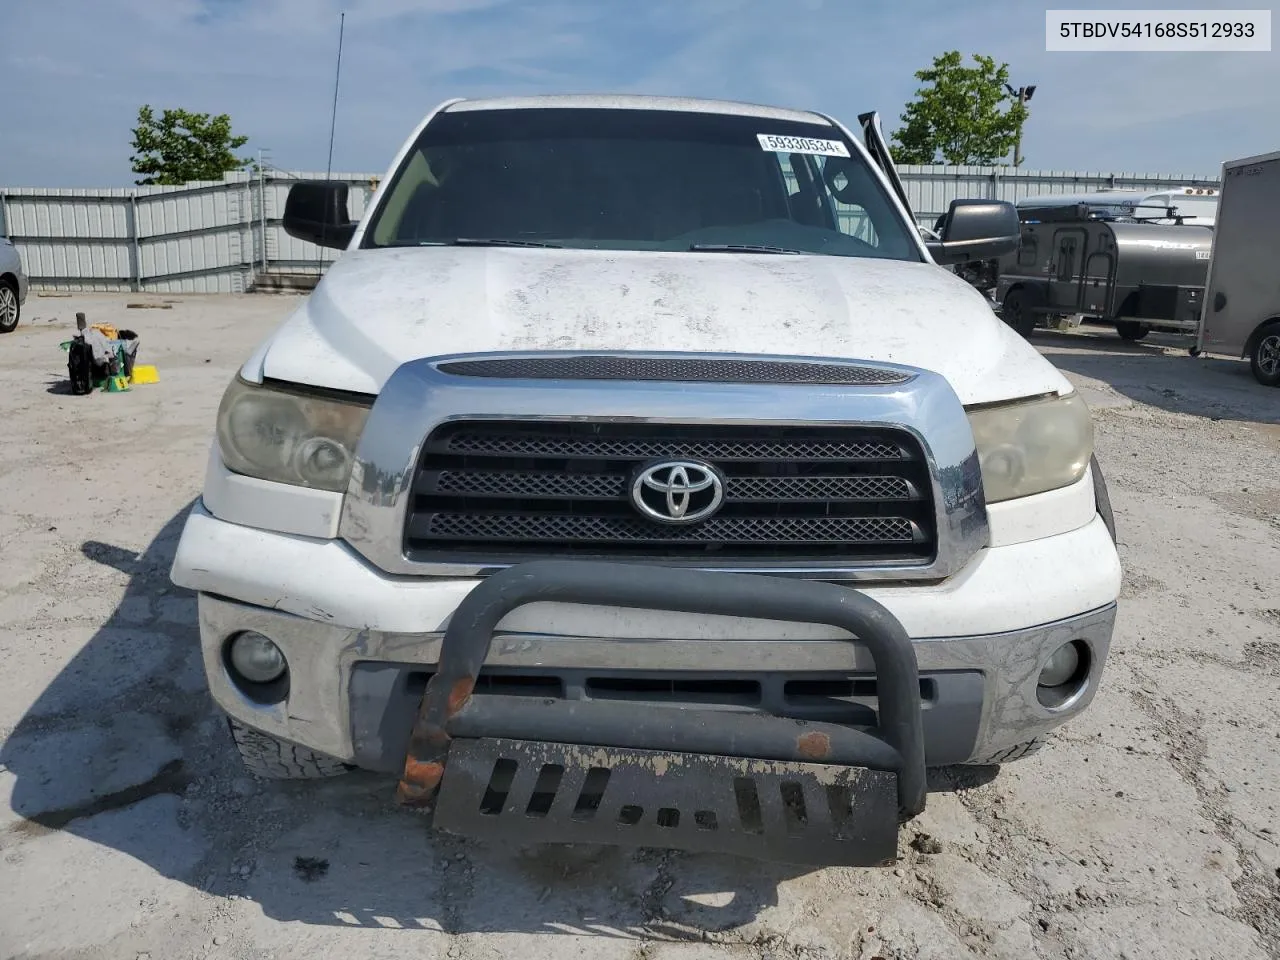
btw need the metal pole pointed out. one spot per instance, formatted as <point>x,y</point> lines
<point>135,268</point>
<point>262,208</point>
<point>1017,143</point>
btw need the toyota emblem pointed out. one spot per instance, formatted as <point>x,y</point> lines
<point>677,491</point>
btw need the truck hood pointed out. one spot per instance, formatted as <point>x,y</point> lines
<point>377,309</point>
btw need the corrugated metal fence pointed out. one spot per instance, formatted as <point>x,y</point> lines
<point>221,237</point>
<point>226,237</point>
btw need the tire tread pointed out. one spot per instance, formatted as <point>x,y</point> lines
<point>1009,754</point>
<point>271,759</point>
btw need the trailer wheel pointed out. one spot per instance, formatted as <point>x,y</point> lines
<point>1264,358</point>
<point>1131,330</point>
<point>1017,314</point>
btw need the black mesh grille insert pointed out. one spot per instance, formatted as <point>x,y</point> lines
<point>692,369</point>
<point>613,486</point>
<point>535,445</point>
<point>494,492</point>
<point>504,527</point>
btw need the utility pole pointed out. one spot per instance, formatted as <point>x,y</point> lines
<point>1023,94</point>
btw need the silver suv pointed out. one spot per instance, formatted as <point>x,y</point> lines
<point>13,285</point>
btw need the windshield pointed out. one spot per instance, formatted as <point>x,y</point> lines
<point>638,180</point>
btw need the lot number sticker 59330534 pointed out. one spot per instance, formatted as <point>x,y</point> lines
<point>823,148</point>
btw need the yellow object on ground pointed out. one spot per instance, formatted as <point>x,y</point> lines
<point>145,373</point>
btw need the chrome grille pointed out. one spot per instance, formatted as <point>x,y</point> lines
<point>503,491</point>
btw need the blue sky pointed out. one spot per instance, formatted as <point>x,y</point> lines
<point>75,71</point>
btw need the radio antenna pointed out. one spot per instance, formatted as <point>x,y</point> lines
<point>333,120</point>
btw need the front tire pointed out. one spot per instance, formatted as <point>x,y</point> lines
<point>1017,313</point>
<point>1009,754</point>
<point>1131,330</point>
<point>10,309</point>
<point>1264,358</point>
<point>271,759</point>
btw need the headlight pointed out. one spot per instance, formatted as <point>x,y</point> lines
<point>289,437</point>
<point>1032,446</point>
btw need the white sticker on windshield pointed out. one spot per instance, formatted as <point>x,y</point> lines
<point>822,148</point>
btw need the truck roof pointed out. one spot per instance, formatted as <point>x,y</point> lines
<point>637,102</point>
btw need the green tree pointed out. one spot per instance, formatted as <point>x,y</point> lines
<point>958,118</point>
<point>181,146</point>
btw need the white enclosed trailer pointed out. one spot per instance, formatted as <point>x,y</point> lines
<point>1242,302</point>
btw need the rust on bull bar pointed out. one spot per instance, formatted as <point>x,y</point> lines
<point>814,745</point>
<point>429,742</point>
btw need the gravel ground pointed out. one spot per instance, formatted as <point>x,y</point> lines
<point>1147,829</point>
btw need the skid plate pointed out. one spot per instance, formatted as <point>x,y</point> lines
<point>801,813</point>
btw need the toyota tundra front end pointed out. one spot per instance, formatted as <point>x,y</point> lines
<point>636,475</point>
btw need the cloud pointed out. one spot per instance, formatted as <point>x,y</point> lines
<point>84,68</point>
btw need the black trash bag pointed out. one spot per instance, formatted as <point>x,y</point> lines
<point>80,366</point>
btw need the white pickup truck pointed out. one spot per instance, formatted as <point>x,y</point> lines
<point>637,475</point>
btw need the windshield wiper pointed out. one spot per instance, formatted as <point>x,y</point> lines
<point>738,248</point>
<point>500,242</point>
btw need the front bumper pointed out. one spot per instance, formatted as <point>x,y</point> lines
<point>354,693</point>
<point>362,645</point>
<point>763,670</point>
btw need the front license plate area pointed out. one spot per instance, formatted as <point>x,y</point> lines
<point>802,813</point>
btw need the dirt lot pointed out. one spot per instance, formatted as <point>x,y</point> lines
<point>1148,829</point>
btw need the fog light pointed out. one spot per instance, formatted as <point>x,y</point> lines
<point>256,658</point>
<point>1062,667</point>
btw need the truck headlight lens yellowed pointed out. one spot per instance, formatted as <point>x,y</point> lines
<point>289,437</point>
<point>1032,446</point>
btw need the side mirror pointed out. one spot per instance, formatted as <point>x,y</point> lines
<point>316,211</point>
<point>977,230</point>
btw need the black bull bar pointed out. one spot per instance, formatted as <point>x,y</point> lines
<point>529,769</point>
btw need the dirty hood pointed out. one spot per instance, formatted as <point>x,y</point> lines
<point>376,309</point>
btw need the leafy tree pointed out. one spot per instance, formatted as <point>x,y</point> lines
<point>182,146</point>
<point>959,115</point>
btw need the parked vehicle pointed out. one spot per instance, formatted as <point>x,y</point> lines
<point>13,285</point>
<point>636,475</point>
<point>1242,306</point>
<point>1198,205</point>
<point>1135,274</point>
